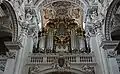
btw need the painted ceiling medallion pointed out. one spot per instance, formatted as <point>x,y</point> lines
<point>61,11</point>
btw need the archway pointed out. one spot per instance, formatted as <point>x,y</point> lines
<point>8,26</point>
<point>9,12</point>
<point>112,21</point>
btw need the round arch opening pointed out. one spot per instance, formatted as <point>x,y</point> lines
<point>9,20</point>
<point>8,26</point>
<point>112,27</point>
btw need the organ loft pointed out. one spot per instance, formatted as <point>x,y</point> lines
<point>62,30</point>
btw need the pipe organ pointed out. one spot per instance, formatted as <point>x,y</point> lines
<point>49,41</point>
<point>42,40</point>
<point>73,40</point>
<point>62,35</point>
<point>63,28</point>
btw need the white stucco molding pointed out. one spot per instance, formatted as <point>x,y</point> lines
<point>110,47</point>
<point>13,45</point>
<point>109,44</point>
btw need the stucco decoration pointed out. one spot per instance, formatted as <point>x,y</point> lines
<point>88,69</point>
<point>35,69</point>
<point>61,64</point>
<point>2,64</point>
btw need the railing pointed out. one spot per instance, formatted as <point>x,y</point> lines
<point>72,58</point>
<point>118,61</point>
<point>3,62</point>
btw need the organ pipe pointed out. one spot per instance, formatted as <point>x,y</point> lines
<point>49,40</point>
<point>73,40</point>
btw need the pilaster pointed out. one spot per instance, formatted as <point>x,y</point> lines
<point>97,52</point>
<point>20,56</point>
<point>109,47</point>
<point>10,66</point>
<point>7,62</point>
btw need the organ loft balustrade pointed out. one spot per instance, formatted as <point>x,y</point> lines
<point>37,62</point>
<point>50,58</point>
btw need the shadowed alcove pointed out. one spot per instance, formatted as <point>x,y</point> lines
<point>8,26</point>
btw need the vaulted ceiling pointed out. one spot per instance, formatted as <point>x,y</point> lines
<point>61,9</point>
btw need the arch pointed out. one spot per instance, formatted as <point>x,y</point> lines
<point>79,3</point>
<point>13,20</point>
<point>72,70</point>
<point>108,23</point>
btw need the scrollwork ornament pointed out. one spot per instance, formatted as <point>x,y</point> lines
<point>30,20</point>
<point>92,1</point>
<point>111,53</point>
<point>2,64</point>
<point>9,54</point>
<point>76,13</point>
<point>56,64</point>
<point>90,31</point>
<point>87,69</point>
<point>35,69</point>
<point>97,25</point>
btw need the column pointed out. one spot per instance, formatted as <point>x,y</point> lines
<point>13,47</point>
<point>28,49</point>
<point>109,47</point>
<point>104,64</point>
<point>10,65</point>
<point>113,66</point>
<point>97,53</point>
<point>19,57</point>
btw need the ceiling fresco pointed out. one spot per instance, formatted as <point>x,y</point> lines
<point>62,10</point>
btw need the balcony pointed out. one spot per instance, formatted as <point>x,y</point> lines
<point>3,62</point>
<point>50,58</point>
